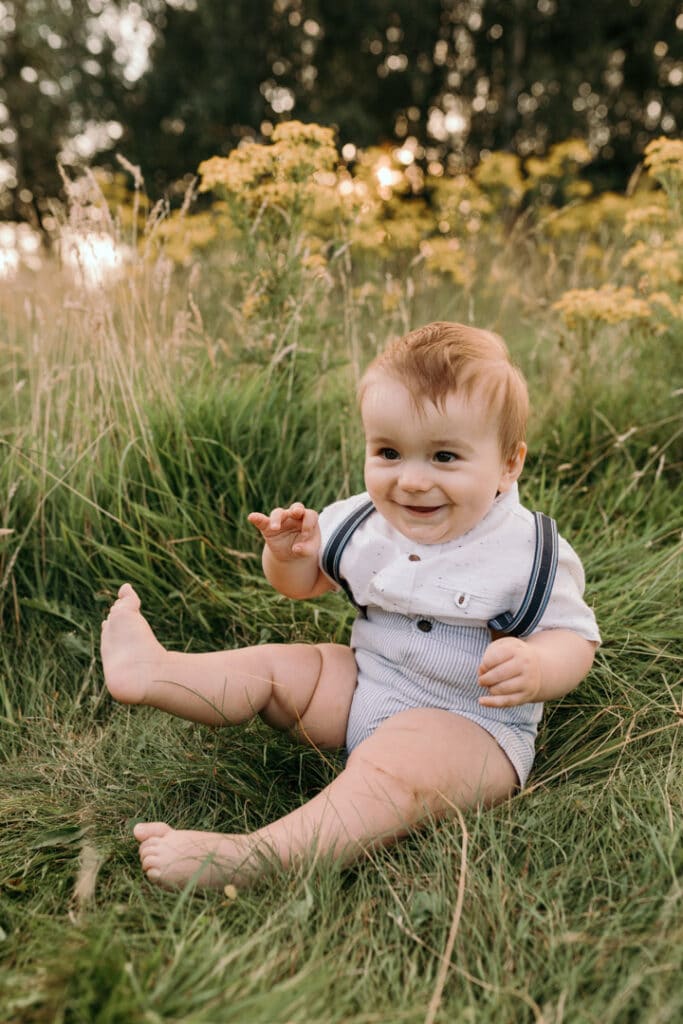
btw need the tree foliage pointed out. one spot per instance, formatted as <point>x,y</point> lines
<point>59,73</point>
<point>449,78</point>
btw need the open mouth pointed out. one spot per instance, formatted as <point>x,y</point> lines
<point>422,510</point>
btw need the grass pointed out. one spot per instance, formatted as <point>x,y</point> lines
<point>133,446</point>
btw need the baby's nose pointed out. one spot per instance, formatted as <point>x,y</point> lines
<point>414,478</point>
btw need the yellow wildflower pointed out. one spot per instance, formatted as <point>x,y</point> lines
<point>458,200</point>
<point>609,305</point>
<point>578,189</point>
<point>311,134</point>
<point>562,161</point>
<point>369,236</point>
<point>448,256</point>
<point>316,264</point>
<point>301,150</point>
<point>654,213</point>
<point>591,217</point>
<point>661,264</point>
<point>665,302</point>
<point>247,167</point>
<point>501,174</point>
<point>254,302</point>
<point>287,174</point>
<point>664,156</point>
<point>571,151</point>
<point>181,236</point>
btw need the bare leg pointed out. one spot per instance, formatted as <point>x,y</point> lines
<point>300,687</point>
<point>417,765</point>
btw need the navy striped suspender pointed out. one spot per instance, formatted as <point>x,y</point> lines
<point>334,549</point>
<point>539,588</point>
<point>540,585</point>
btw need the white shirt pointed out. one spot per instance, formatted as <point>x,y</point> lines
<point>465,581</point>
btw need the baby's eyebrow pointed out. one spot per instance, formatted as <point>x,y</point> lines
<point>448,442</point>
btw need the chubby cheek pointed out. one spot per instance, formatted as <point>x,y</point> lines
<point>375,481</point>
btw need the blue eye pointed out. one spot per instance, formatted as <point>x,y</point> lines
<point>390,454</point>
<point>445,457</point>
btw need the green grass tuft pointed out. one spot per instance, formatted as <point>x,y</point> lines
<point>128,458</point>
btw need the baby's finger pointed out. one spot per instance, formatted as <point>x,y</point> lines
<point>277,518</point>
<point>510,684</point>
<point>309,538</point>
<point>505,694</point>
<point>258,520</point>
<point>502,700</point>
<point>498,673</point>
<point>309,522</point>
<point>500,651</point>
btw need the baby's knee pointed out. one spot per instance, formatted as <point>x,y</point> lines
<point>390,780</point>
<point>284,659</point>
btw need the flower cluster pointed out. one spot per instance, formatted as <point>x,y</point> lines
<point>499,175</point>
<point>301,159</point>
<point>651,267</point>
<point>664,159</point>
<point>295,203</point>
<point>609,305</point>
<point>660,264</point>
<point>385,205</point>
<point>599,216</point>
<point>654,212</point>
<point>554,179</point>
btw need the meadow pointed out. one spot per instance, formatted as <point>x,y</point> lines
<point>143,417</point>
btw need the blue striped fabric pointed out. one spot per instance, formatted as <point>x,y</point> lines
<point>439,669</point>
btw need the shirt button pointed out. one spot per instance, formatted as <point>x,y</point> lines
<point>414,558</point>
<point>424,624</point>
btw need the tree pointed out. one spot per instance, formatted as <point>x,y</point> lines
<point>449,78</point>
<point>203,91</point>
<point>452,76</point>
<point>609,73</point>
<point>63,74</point>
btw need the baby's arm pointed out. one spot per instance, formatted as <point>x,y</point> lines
<point>545,666</point>
<point>291,549</point>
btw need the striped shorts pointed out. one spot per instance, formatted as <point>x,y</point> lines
<point>423,663</point>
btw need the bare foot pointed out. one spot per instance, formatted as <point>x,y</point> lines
<point>172,857</point>
<point>131,655</point>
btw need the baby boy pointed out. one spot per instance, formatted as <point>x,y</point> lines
<point>470,615</point>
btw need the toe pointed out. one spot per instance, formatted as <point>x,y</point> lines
<point>148,855</point>
<point>150,830</point>
<point>127,594</point>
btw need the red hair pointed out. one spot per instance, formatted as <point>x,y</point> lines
<point>445,358</point>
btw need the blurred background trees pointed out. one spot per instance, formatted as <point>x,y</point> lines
<point>63,65</point>
<point>169,83</point>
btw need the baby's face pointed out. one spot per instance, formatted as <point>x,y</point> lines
<point>432,473</point>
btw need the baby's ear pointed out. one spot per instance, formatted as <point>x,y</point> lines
<point>512,468</point>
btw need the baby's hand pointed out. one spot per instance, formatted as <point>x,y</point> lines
<point>290,533</point>
<point>510,672</point>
